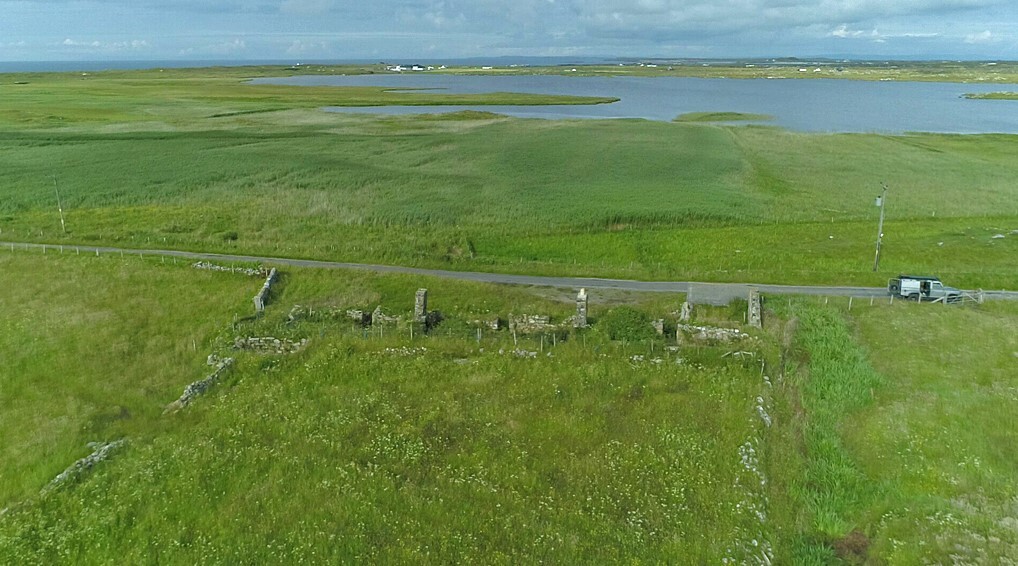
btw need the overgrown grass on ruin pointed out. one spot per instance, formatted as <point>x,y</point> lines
<point>368,446</point>
<point>888,440</point>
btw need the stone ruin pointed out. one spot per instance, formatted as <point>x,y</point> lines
<point>530,323</point>
<point>249,271</point>
<point>360,317</point>
<point>490,323</point>
<point>421,306</point>
<point>686,314</point>
<point>263,296</point>
<point>709,333</point>
<point>298,313</point>
<point>199,388</point>
<point>269,345</point>
<point>580,320</point>
<point>428,319</point>
<point>379,317</point>
<point>659,326</point>
<point>100,451</point>
<point>755,315</point>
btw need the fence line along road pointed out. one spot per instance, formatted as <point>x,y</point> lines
<point>715,290</point>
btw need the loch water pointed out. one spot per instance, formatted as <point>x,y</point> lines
<point>808,105</point>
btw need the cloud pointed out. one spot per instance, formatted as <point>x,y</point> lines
<point>96,45</point>
<point>455,28</point>
<point>303,47</point>
<point>222,48</point>
<point>981,37</point>
<point>843,32</point>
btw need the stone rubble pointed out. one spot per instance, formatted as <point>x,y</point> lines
<point>100,452</point>
<point>375,317</point>
<point>200,387</point>
<point>360,317</point>
<point>406,351</point>
<point>379,317</point>
<point>491,323</point>
<point>269,344</point>
<point>249,271</point>
<point>529,323</point>
<point>659,326</point>
<point>711,333</point>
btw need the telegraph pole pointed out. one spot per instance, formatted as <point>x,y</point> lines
<point>881,201</point>
<point>60,206</point>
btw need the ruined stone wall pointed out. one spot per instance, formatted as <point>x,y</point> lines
<point>249,271</point>
<point>263,296</point>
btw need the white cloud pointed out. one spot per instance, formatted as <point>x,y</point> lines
<point>302,47</point>
<point>226,47</point>
<point>843,32</point>
<point>982,37</point>
<point>455,28</point>
<point>96,45</point>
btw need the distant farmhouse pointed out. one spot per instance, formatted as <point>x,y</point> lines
<point>402,68</point>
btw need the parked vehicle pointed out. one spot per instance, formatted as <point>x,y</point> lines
<point>922,288</point>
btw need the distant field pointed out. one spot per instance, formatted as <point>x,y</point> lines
<point>722,117</point>
<point>939,71</point>
<point>189,98</point>
<point>476,192</point>
<point>994,96</point>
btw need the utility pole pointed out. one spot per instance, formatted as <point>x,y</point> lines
<point>881,201</point>
<point>60,206</point>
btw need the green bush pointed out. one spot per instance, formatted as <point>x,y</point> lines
<point>626,323</point>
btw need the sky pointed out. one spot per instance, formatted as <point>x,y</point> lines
<point>422,30</point>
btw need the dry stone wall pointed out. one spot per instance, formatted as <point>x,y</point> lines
<point>263,296</point>
<point>249,271</point>
<point>710,333</point>
<point>199,388</point>
<point>269,344</point>
<point>530,323</point>
<point>100,451</point>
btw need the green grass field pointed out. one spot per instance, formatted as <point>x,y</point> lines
<point>365,446</point>
<point>722,117</point>
<point>881,434</point>
<point>223,168</point>
<point>888,438</point>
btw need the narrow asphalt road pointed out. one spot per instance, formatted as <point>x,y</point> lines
<point>719,291</point>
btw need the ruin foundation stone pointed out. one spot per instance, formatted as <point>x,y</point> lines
<point>755,314</point>
<point>421,306</point>
<point>580,320</point>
